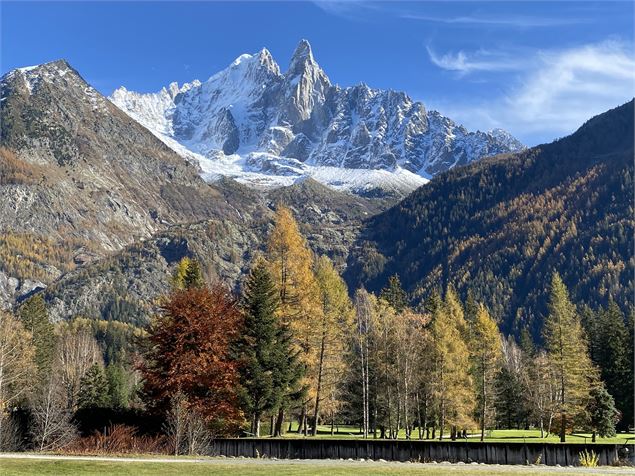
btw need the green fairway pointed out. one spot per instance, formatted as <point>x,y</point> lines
<point>503,436</point>
<point>22,466</point>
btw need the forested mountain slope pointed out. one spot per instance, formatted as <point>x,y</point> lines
<point>501,226</point>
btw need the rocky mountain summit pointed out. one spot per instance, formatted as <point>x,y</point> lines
<point>262,126</point>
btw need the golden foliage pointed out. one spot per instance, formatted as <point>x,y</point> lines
<point>25,255</point>
<point>14,171</point>
<point>291,265</point>
<point>17,361</point>
<point>452,382</point>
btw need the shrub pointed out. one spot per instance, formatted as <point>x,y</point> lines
<point>589,459</point>
<point>118,439</point>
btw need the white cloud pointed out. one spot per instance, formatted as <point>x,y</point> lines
<point>481,60</point>
<point>353,8</point>
<point>350,9</point>
<point>504,21</point>
<point>557,92</point>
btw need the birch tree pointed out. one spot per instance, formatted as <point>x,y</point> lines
<point>77,351</point>
<point>364,309</point>
<point>17,368</point>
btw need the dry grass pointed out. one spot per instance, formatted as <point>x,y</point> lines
<point>117,440</point>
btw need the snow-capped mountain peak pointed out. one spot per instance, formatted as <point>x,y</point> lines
<point>302,59</point>
<point>258,125</point>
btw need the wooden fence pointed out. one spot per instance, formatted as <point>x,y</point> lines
<point>423,451</point>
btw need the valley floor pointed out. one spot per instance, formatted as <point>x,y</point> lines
<point>21,464</point>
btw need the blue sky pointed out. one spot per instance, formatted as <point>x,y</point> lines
<point>537,69</point>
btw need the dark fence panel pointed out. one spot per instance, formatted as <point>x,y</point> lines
<point>415,450</point>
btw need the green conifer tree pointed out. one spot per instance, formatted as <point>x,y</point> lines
<point>193,276</point>
<point>34,317</point>
<point>118,386</point>
<point>471,308</point>
<point>602,412</point>
<point>611,354</point>
<point>394,294</point>
<point>187,274</point>
<point>270,371</point>
<point>432,302</point>
<point>93,389</point>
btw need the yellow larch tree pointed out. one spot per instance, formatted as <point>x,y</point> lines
<point>453,386</point>
<point>291,264</point>
<point>486,354</point>
<point>334,324</point>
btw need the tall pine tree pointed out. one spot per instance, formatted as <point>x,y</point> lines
<point>611,354</point>
<point>602,412</point>
<point>93,389</point>
<point>567,350</point>
<point>394,294</point>
<point>269,371</point>
<point>34,317</point>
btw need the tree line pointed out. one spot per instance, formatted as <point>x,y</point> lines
<point>293,351</point>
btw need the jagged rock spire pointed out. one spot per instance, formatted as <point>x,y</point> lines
<point>301,59</point>
<point>306,84</point>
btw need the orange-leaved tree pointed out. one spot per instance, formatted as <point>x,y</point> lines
<point>189,353</point>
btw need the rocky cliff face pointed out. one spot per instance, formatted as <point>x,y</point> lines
<point>95,174</point>
<point>79,179</point>
<point>259,125</point>
<point>125,285</point>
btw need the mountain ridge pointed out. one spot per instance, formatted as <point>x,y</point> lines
<point>261,126</point>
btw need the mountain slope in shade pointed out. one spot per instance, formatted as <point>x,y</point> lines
<point>501,226</point>
<point>263,126</point>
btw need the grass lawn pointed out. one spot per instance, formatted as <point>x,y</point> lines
<point>21,466</point>
<point>506,436</point>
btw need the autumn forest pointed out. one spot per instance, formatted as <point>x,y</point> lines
<point>296,351</point>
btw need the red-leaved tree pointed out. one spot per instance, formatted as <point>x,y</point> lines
<point>189,352</point>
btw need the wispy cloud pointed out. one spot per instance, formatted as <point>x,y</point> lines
<point>481,60</point>
<point>347,8</point>
<point>353,8</point>
<point>503,21</point>
<point>556,92</point>
<point>571,84</point>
